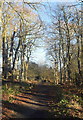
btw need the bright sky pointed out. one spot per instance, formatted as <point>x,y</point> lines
<point>50,0</point>
<point>41,0</point>
<point>39,54</point>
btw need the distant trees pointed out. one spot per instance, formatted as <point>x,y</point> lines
<point>65,43</point>
<point>40,73</point>
<point>21,27</point>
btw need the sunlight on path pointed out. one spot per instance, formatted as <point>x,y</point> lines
<point>33,104</point>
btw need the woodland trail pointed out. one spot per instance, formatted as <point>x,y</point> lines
<point>34,103</point>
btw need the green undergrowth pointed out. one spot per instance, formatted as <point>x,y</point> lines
<point>70,105</point>
<point>12,89</point>
<point>9,91</point>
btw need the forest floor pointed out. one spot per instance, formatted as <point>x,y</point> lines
<point>42,101</point>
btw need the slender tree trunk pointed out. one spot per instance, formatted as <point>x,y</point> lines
<point>68,46</point>
<point>60,44</point>
<point>77,32</point>
<point>16,54</point>
<point>11,57</point>
<point>21,70</point>
<point>56,80</point>
<point>60,62</point>
<point>4,54</point>
<point>81,56</point>
<point>64,63</point>
<point>78,57</point>
<point>81,61</point>
<point>3,57</point>
<point>25,70</point>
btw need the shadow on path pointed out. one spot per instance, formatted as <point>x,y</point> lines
<point>24,111</point>
<point>34,103</point>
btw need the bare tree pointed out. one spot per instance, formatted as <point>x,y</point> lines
<point>65,32</point>
<point>19,41</point>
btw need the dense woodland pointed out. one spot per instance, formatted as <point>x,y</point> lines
<point>66,45</point>
<point>22,31</point>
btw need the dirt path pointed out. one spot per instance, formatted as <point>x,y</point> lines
<point>34,103</point>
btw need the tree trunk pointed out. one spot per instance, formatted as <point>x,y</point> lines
<point>4,75</point>
<point>11,57</point>
<point>16,54</point>
<point>68,46</point>
<point>60,62</point>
